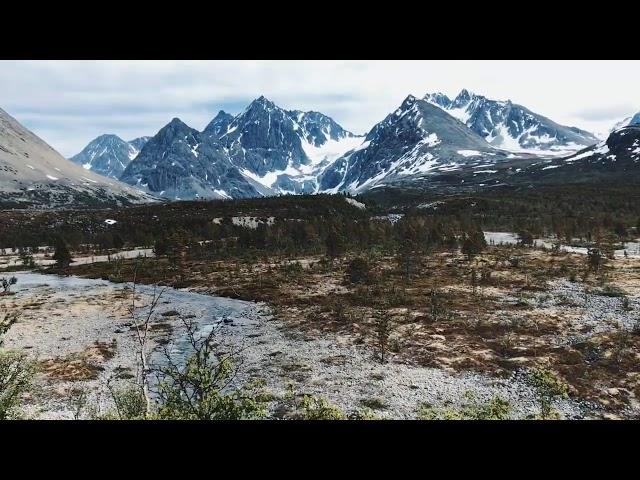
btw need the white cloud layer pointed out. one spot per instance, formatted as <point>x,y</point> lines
<point>68,103</point>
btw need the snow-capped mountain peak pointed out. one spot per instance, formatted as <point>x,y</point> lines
<point>180,163</point>
<point>510,126</point>
<point>317,128</point>
<point>283,150</point>
<point>463,99</point>
<point>109,155</point>
<point>219,125</point>
<point>416,140</point>
<point>262,150</point>
<point>407,104</point>
<point>261,103</point>
<point>439,99</point>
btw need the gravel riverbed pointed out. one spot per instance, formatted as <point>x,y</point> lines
<point>66,316</point>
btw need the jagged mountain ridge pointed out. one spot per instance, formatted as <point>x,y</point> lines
<point>179,162</point>
<point>625,122</point>
<point>615,161</point>
<point>264,150</point>
<point>512,127</point>
<point>109,155</point>
<point>267,150</point>
<point>617,158</point>
<point>219,125</point>
<point>138,143</point>
<point>417,140</point>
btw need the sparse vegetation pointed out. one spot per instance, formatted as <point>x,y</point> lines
<point>16,375</point>
<point>5,324</point>
<point>358,270</point>
<point>62,256</point>
<point>495,409</point>
<point>426,289</point>
<point>595,259</point>
<point>383,328</point>
<point>78,401</point>
<point>318,408</point>
<point>548,387</point>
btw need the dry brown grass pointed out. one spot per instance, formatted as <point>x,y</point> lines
<point>497,329</point>
<point>84,365</point>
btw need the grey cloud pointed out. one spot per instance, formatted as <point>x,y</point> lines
<point>70,102</point>
<point>614,112</point>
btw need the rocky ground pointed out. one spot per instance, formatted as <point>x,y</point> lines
<point>80,332</point>
<point>310,331</point>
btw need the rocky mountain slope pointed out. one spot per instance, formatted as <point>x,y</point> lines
<point>33,174</point>
<point>181,163</point>
<point>615,159</point>
<point>109,155</point>
<point>431,143</point>
<point>627,121</point>
<point>264,150</point>
<point>416,142</point>
<point>510,126</point>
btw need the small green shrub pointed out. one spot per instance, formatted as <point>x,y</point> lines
<point>363,414</point>
<point>318,408</point>
<point>16,374</point>
<point>548,386</point>
<point>495,409</point>
<point>129,403</point>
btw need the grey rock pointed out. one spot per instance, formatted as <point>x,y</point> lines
<point>615,159</point>
<point>219,125</point>
<point>181,163</point>
<point>109,155</point>
<point>415,141</point>
<point>34,175</point>
<point>503,123</point>
<point>259,152</point>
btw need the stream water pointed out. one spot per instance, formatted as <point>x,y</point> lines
<point>233,317</point>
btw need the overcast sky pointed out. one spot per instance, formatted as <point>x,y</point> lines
<point>68,103</point>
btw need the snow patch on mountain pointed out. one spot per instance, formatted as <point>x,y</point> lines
<point>269,178</point>
<point>109,155</point>
<point>602,148</point>
<point>469,153</point>
<point>329,151</point>
<point>512,127</point>
<point>133,152</point>
<point>222,193</point>
<point>355,203</point>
